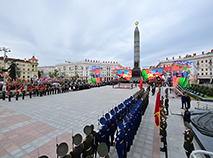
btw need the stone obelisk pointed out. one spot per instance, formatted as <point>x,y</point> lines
<point>136,72</point>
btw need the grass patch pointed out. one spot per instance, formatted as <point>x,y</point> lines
<point>206,96</point>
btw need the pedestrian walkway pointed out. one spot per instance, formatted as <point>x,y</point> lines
<point>175,128</point>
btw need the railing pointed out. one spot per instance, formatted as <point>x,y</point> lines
<point>193,154</point>
<point>204,106</point>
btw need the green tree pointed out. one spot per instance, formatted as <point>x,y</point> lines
<point>62,74</point>
<point>40,73</point>
<point>51,75</point>
<point>55,73</point>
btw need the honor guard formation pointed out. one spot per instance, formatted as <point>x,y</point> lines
<point>118,128</point>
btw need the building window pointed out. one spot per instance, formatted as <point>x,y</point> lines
<point>210,73</point>
<point>28,76</point>
<point>201,61</point>
<point>23,64</point>
<point>28,65</point>
<point>28,69</point>
<point>202,65</point>
<point>206,61</point>
<point>206,69</point>
<point>206,65</point>
<point>197,73</point>
<point>201,69</point>
<point>23,76</point>
<point>23,72</point>
<point>28,73</point>
<point>201,73</point>
<point>206,73</point>
<point>210,69</point>
<point>23,68</point>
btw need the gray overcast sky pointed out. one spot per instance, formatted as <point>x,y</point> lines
<point>75,30</point>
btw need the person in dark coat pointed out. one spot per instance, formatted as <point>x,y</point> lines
<point>153,90</point>
<point>88,142</point>
<point>187,116</point>
<point>183,100</point>
<point>188,137</point>
<point>188,101</point>
<point>96,140</point>
<point>78,147</point>
<point>167,105</point>
<point>163,133</point>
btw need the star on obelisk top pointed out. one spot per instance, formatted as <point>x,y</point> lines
<point>136,23</point>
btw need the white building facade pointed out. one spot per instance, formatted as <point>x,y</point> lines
<point>203,63</point>
<point>82,68</point>
<point>45,70</point>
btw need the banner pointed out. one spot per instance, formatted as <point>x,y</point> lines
<point>41,87</point>
<point>31,88</point>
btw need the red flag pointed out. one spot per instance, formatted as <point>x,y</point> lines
<point>141,84</point>
<point>21,88</point>
<point>157,110</point>
<point>8,90</point>
<point>16,89</point>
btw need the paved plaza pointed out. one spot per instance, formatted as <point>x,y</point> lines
<point>29,127</point>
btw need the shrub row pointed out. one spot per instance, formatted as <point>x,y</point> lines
<point>202,89</point>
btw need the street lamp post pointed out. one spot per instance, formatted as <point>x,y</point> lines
<point>5,50</point>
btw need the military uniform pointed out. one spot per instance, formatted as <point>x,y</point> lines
<point>120,141</point>
<point>102,132</point>
<point>188,137</point>
<point>113,125</point>
<point>76,152</point>
<point>167,105</point>
<point>108,125</point>
<point>88,142</point>
<point>163,133</point>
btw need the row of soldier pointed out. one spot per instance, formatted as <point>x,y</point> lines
<point>120,126</point>
<point>46,89</point>
<point>83,149</point>
<point>118,129</point>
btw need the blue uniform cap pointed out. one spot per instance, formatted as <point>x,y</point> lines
<point>126,119</point>
<point>116,109</point>
<point>103,121</point>
<point>132,111</point>
<point>107,116</point>
<point>139,101</point>
<point>120,106</point>
<point>112,112</point>
<point>128,115</point>
<point>135,106</point>
<point>120,125</point>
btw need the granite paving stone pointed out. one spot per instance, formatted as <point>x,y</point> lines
<point>45,118</point>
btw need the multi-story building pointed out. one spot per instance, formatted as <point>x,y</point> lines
<point>82,68</point>
<point>45,70</point>
<point>27,69</point>
<point>203,62</point>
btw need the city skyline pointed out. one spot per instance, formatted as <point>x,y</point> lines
<point>56,32</point>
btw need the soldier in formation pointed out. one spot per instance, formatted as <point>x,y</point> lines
<point>188,137</point>
<point>163,133</point>
<point>126,118</point>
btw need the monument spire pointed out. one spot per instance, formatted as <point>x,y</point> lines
<point>136,72</point>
